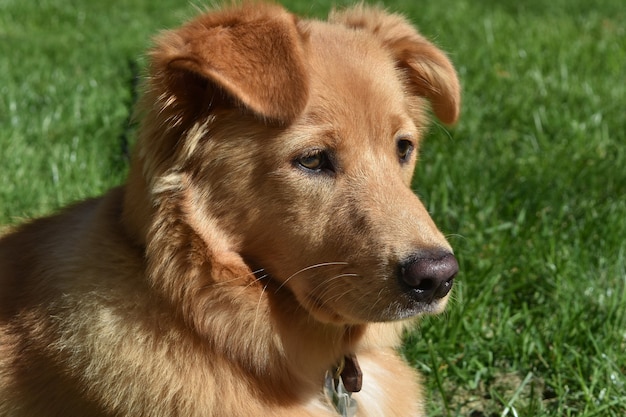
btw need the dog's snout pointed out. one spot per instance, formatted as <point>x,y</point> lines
<point>430,277</point>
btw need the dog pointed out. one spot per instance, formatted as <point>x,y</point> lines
<point>266,252</point>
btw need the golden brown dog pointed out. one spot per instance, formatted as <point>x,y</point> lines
<point>266,235</point>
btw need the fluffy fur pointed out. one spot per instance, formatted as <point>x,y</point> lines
<point>259,238</point>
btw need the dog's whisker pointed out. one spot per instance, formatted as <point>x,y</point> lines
<point>344,275</point>
<point>254,282</point>
<point>324,297</point>
<point>378,299</point>
<point>257,279</point>
<point>256,313</point>
<point>328,280</point>
<point>456,235</point>
<point>240,277</point>
<point>308,268</point>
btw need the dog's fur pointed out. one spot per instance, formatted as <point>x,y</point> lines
<point>257,240</point>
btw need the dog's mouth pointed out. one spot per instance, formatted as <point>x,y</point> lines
<point>390,303</point>
<point>403,307</point>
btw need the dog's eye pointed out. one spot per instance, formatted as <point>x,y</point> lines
<point>405,148</point>
<point>314,161</point>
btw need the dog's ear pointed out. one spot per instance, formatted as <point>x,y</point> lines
<point>430,72</point>
<point>253,55</point>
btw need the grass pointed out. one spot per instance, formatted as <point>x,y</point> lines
<point>530,185</point>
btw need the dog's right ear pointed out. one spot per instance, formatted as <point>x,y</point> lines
<point>251,55</point>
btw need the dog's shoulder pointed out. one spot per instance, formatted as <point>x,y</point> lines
<point>39,257</point>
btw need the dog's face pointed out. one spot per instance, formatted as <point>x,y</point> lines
<point>308,168</point>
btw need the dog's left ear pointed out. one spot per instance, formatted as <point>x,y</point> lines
<point>252,54</point>
<point>430,72</point>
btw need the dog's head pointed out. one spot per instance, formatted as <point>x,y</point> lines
<point>293,143</point>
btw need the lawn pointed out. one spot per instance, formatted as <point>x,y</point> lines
<point>530,186</point>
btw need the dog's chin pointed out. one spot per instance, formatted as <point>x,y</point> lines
<point>413,309</point>
<point>322,312</point>
<point>395,311</point>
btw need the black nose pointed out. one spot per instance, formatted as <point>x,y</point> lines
<point>430,276</point>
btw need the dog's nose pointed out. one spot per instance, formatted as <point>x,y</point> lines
<point>430,276</point>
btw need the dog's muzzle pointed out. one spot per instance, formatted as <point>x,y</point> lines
<point>429,277</point>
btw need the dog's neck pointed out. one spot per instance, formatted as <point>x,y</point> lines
<point>312,346</point>
<point>329,356</point>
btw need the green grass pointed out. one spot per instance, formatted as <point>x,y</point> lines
<point>530,185</point>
